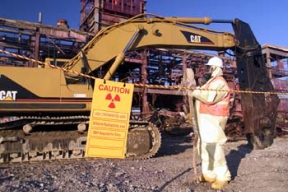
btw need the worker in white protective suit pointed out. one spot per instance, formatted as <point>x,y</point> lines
<point>212,109</point>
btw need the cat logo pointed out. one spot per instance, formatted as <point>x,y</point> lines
<point>195,38</point>
<point>8,95</point>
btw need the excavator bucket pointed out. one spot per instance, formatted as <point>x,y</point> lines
<point>259,102</point>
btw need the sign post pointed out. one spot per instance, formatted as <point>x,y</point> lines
<point>109,119</point>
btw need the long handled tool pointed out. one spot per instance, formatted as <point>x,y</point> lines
<point>196,135</point>
<point>190,80</point>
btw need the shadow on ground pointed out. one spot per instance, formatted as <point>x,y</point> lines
<point>174,145</point>
<point>235,156</point>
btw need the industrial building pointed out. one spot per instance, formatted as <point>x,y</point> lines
<point>153,66</point>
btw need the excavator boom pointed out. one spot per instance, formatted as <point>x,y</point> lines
<point>149,31</point>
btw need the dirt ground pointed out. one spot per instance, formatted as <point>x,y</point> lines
<point>171,170</point>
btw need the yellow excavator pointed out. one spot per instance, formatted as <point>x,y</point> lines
<point>34,97</point>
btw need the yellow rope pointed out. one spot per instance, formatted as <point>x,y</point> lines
<point>151,86</point>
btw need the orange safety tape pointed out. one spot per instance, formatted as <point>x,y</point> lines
<point>175,87</point>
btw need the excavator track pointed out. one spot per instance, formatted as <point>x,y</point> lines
<point>16,121</point>
<point>56,138</point>
<point>150,141</point>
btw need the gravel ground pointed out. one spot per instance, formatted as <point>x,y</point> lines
<point>171,170</point>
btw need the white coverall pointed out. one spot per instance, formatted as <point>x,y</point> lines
<point>211,130</point>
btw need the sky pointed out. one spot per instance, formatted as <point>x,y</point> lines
<point>266,18</point>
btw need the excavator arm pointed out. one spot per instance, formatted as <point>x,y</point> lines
<point>110,45</point>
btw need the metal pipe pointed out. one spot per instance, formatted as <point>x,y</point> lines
<point>120,57</point>
<point>132,40</point>
<point>204,20</point>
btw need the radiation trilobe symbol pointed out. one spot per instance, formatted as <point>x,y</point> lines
<point>110,98</point>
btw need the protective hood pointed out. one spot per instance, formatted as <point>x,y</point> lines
<point>217,72</point>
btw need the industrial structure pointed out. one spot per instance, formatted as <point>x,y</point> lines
<point>166,66</point>
<point>153,66</point>
<point>96,14</point>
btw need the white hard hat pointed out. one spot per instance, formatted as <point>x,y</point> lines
<point>215,61</point>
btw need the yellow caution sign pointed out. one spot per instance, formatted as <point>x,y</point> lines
<point>109,119</point>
